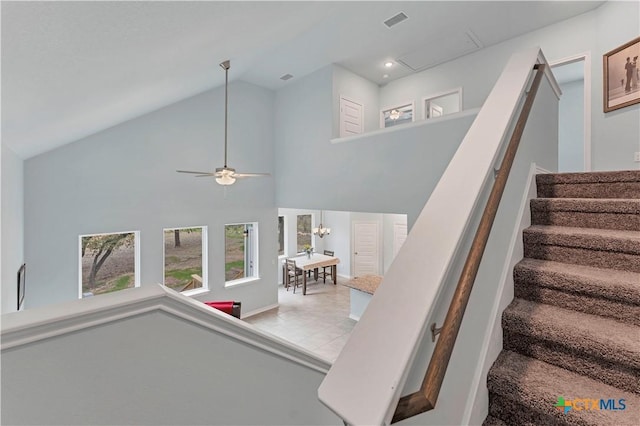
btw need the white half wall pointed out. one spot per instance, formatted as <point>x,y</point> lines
<point>141,358</point>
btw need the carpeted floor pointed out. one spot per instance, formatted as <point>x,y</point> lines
<point>572,333</point>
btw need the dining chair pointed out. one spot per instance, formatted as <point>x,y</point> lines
<point>327,271</point>
<point>292,271</point>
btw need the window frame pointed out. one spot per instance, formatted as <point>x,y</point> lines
<point>136,258</point>
<point>312,223</point>
<point>285,243</point>
<point>254,248</point>
<point>426,101</point>
<point>205,257</point>
<point>403,108</point>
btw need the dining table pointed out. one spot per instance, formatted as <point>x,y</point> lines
<point>311,263</point>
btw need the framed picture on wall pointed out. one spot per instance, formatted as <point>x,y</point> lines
<point>394,116</point>
<point>621,75</point>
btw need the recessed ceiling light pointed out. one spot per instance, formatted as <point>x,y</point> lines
<point>388,64</point>
<point>385,76</point>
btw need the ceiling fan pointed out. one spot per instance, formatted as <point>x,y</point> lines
<point>225,175</point>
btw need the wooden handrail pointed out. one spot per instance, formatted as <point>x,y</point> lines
<point>425,399</point>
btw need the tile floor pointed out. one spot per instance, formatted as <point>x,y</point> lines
<point>318,321</point>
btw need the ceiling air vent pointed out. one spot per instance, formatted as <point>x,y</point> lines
<point>396,19</point>
<point>286,77</point>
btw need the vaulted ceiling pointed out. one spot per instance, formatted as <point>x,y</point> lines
<point>70,69</point>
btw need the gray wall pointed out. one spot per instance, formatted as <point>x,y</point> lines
<point>124,179</point>
<point>385,172</point>
<point>615,135</point>
<point>571,127</point>
<point>12,226</point>
<point>156,369</point>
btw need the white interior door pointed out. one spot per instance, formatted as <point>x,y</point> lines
<point>365,249</point>
<point>351,117</point>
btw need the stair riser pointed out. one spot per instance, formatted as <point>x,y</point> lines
<point>623,312</point>
<point>619,376</point>
<point>624,222</point>
<point>590,190</point>
<point>580,256</point>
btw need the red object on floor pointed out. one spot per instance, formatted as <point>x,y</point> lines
<point>228,306</point>
<point>225,306</point>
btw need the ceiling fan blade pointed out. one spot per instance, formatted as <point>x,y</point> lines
<point>195,173</point>
<point>207,175</point>
<point>241,175</point>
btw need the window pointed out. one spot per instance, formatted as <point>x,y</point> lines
<point>185,252</point>
<point>303,231</point>
<point>280,235</point>
<point>241,252</point>
<point>442,104</point>
<point>397,115</point>
<point>108,262</point>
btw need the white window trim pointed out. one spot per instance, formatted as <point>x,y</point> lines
<point>428,98</point>
<point>285,223</point>
<point>136,256</point>
<point>205,257</point>
<point>256,258</point>
<point>398,105</point>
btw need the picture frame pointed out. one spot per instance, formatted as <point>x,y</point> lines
<point>397,115</point>
<point>21,285</point>
<point>621,76</point>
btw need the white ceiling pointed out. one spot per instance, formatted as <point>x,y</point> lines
<point>70,69</point>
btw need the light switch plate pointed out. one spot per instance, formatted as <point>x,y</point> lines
<point>636,157</point>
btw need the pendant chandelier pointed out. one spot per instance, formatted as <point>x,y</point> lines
<point>320,231</point>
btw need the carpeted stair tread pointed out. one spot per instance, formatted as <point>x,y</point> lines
<point>597,347</point>
<point>591,205</point>
<point>493,421</point>
<point>618,184</point>
<point>588,334</point>
<point>601,248</point>
<point>600,213</point>
<point>536,385</point>
<point>613,284</point>
<point>589,177</point>
<point>588,238</point>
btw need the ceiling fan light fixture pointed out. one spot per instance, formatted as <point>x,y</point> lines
<point>226,180</point>
<point>225,175</point>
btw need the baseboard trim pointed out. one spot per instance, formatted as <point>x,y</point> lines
<point>260,310</point>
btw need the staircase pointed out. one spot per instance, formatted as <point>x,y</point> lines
<point>572,332</point>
